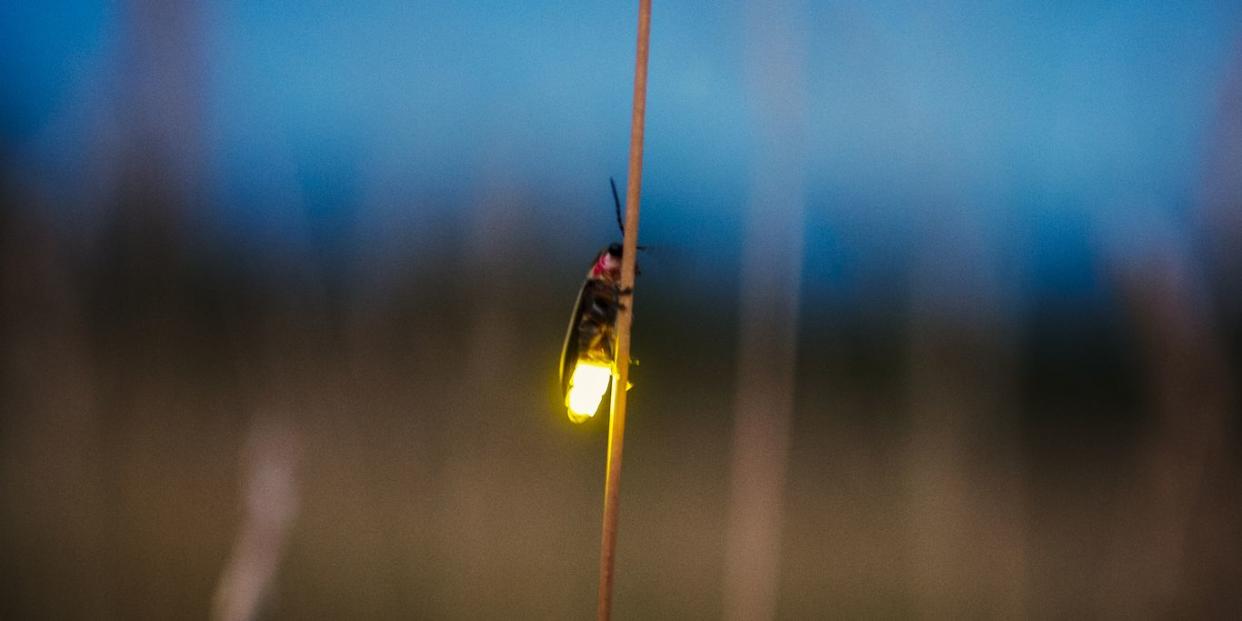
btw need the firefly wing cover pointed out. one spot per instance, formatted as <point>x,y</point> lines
<point>569,352</point>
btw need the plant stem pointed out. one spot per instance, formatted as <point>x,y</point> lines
<point>616,422</point>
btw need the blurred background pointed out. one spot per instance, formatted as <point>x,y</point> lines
<point>942,315</point>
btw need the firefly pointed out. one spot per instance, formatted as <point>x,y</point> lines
<point>587,355</point>
<point>591,339</point>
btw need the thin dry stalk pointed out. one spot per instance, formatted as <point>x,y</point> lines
<point>616,423</point>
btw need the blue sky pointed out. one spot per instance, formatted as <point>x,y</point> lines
<point>1037,121</point>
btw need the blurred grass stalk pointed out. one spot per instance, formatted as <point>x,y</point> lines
<point>271,498</point>
<point>771,278</point>
<point>966,481</point>
<point>1168,518</point>
<point>1174,548</point>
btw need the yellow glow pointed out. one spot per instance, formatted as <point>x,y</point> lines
<point>586,389</point>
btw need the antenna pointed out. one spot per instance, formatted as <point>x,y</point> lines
<point>616,201</point>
